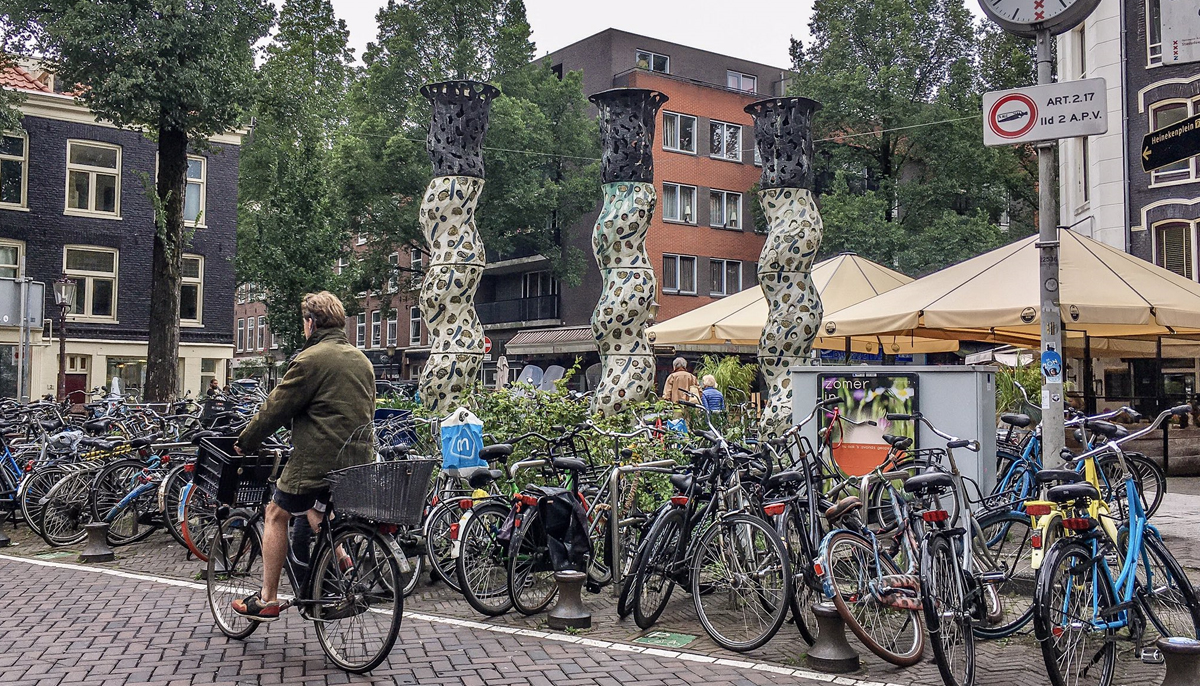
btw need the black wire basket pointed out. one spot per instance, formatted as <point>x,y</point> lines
<point>229,478</point>
<point>387,492</point>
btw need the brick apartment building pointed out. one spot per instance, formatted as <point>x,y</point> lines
<point>73,204</point>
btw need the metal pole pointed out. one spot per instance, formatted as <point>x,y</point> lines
<point>62,352</point>
<point>1089,387</point>
<point>1053,432</point>
<point>22,378</point>
<point>1160,402</point>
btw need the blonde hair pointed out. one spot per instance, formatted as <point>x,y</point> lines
<point>324,309</point>
<point>709,381</point>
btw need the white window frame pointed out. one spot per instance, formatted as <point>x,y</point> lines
<point>737,226</point>
<point>202,182</point>
<point>650,63</point>
<point>393,280</point>
<point>262,332</point>
<point>416,259</point>
<point>91,172</point>
<point>198,282</point>
<point>724,276</point>
<point>360,330</point>
<point>679,273</point>
<point>376,329</point>
<point>677,210</point>
<point>83,274</point>
<point>725,126</point>
<point>251,333</point>
<point>274,341</point>
<point>741,78</point>
<point>1175,177</point>
<point>393,327</point>
<point>678,121</point>
<point>1153,59</point>
<point>360,239</point>
<point>414,325</point>
<point>1192,226</point>
<point>241,335</point>
<point>20,246</point>
<point>24,160</point>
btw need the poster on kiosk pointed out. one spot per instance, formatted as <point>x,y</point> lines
<point>860,421</point>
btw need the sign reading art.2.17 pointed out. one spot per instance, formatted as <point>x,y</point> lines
<point>1045,113</point>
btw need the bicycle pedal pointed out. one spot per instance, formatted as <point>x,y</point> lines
<point>993,577</point>
<point>1151,656</point>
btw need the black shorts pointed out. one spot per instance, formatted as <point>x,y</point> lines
<point>297,504</point>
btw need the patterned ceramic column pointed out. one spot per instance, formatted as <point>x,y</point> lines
<point>626,117</point>
<point>456,256</point>
<point>783,134</point>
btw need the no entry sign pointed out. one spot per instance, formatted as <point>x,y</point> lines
<point>1044,113</point>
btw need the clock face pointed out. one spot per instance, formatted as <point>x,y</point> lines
<point>1025,17</point>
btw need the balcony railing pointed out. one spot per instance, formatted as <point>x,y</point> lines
<point>518,310</point>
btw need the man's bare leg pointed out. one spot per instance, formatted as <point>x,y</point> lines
<point>275,543</point>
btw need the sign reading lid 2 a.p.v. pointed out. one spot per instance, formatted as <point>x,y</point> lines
<point>1045,113</point>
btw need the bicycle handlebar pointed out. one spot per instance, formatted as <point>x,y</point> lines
<point>1114,444</point>
<point>951,441</point>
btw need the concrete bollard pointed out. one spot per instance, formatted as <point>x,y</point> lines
<point>569,612</point>
<point>5,541</point>
<point>96,549</point>
<point>832,652</point>
<point>1182,656</point>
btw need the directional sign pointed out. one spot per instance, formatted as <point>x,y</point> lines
<point>1045,113</point>
<point>1171,144</point>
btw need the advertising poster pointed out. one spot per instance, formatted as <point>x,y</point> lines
<point>867,396</point>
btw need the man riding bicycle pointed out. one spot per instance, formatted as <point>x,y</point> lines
<point>328,395</point>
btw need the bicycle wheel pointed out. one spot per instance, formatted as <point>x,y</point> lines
<point>1008,537</point>
<point>199,517</point>
<point>531,582</point>
<point>1148,477</point>
<point>655,576</point>
<point>1071,590</point>
<point>33,489</point>
<point>1165,592</point>
<point>235,571</point>
<point>852,568</point>
<point>170,498</point>
<point>65,510</point>
<point>741,582</point>
<point>358,602</point>
<point>441,530</point>
<point>947,611</point>
<point>482,564</point>
<point>805,584</point>
<point>128,522</point>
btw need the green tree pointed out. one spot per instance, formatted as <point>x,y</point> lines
<point>290,229</point>
<point>183,71</point>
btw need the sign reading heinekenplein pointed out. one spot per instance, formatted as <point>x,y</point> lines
<point>1180,31</point>
<point>1045,113</point>
<point>1171,144</point>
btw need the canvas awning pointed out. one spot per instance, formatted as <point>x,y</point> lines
<point>559,340</point>
<point>842,281</point>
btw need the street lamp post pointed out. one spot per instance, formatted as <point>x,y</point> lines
<point>64,297</point>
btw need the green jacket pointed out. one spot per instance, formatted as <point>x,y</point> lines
<point>328,395</point>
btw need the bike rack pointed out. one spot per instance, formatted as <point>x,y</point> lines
<point>614,532</point>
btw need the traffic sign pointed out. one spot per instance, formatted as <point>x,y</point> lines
<point>1171,144</point>
<point>1045,113</point>
<point>487,345</point>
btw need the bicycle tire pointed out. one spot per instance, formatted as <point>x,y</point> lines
<point>1057,614</point>
<point>482,559</point>
<point>856,572</point>
<point>110,486</point>
<point>1149,478</point>
<point>199,517</point>
<point>441,527</point>
<point>35,487</point>
<point>744,565</point>
<point>653,579</point>
<point>1170,603</point>
<point>234,572</point>
<point>531,583</point>
<point>170,500</point>
<point>65,510</point>
<point>805,585</point>
<point>350,601</point>
<point>948,617</point>
<point>1008,536</point>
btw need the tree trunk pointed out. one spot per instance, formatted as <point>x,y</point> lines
<point>162,355</point>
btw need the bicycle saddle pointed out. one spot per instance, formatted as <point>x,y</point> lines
<point>483,477</point>
<point>1018,420</point>
<point>1066,476</point>
<point>1069,492</point>
<point>1106,429</point>
<point>897,442</point>
<point>141,442</point>
<point>495,452</point>
<point>782,478</point>
<point>843,506</point>
<point>681,482</point>
<point>51,425</point>
<point>572,464</point>
<point>929,482</point>
<point>98,443</point>
<point>97,425</point>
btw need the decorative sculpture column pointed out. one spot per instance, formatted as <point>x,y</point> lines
<point>783,134</point>
<point>626,117</point>
<point>456,256</point>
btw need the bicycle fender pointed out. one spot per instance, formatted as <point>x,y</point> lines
<point>822,556</point>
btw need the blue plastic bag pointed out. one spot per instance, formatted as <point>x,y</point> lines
<point>462,438</point>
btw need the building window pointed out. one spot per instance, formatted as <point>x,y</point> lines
<point>1173,248</point>
<point>414,326</point>
<point>360,330</point>
<point>95,271</point>
<point>262,333</point>
<point>1165,114</point>
<point>251,333</point>
<point>679,132</point>
<point>538,284</point>
<point>726,141</point>
<point>725,276</point>
<point>361,239</point>
<point>376,327</point>
<point>14,160</point>
<point>342,263</point>
<point>274,341</point>
<point>191,289</point>
<point>653,61</point>
<point>194,195</point>
<point>679,274</point>
<point>416,260</point>
<point>679,203</point>
<point>10,259</point>
<point>725,210</point>
<point>1081,45</point>
<point>392,326</point>
<point>741,82</point>
<point>1085,171</point>
<point>93,178</point>
<point>241,335</point>
<point>393,282</point>
<point>1154,31</point>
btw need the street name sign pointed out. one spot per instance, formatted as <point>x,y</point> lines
<point>1180,31</point>
<point>1045,113</point>
<point>1171,144</point>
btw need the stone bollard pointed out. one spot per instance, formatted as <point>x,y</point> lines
<point>5,541</point>
<point>96,549</point>
<point>569,612</point>
<point>831,653</point>
<point>1182,656</point>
